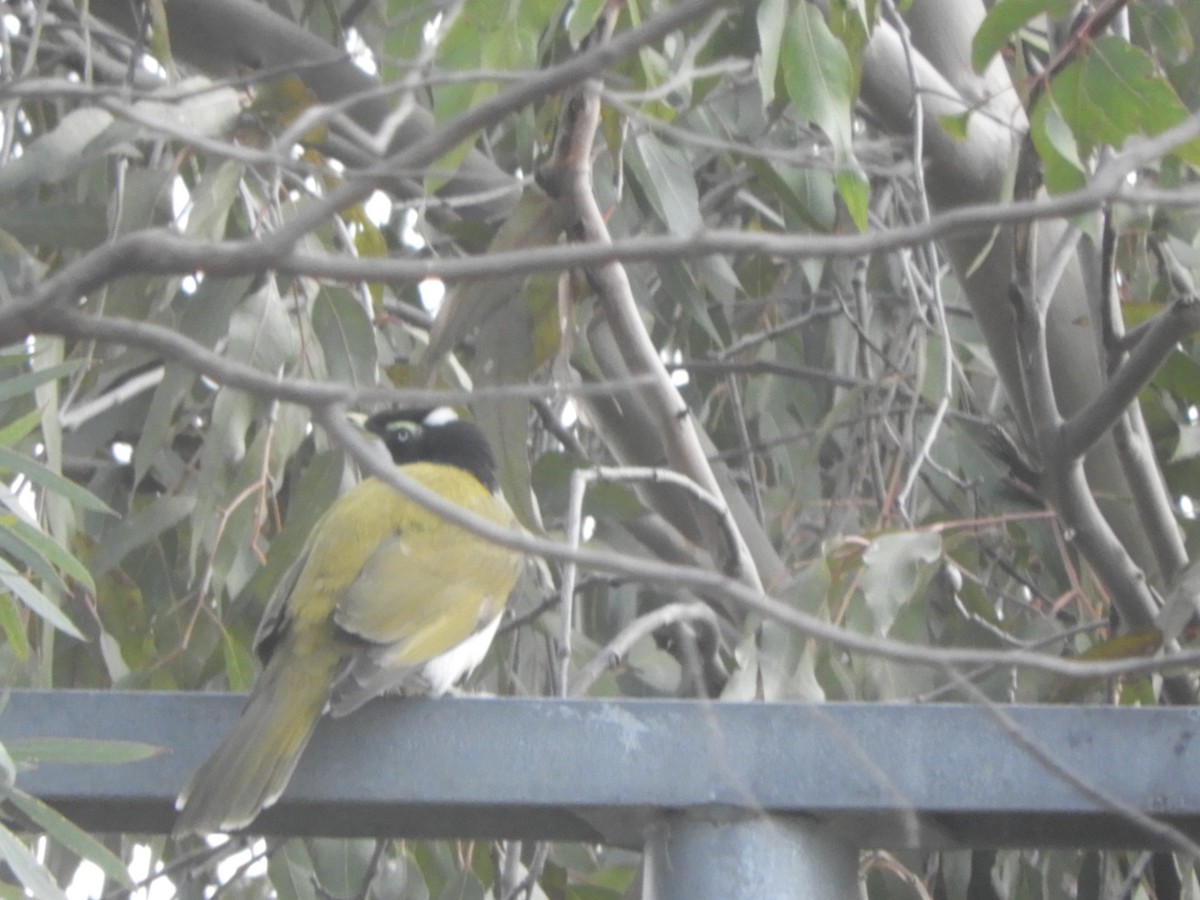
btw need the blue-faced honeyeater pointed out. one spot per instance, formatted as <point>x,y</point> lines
<point>386,596</point>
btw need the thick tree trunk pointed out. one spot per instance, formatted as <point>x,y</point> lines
<point>977,169</point>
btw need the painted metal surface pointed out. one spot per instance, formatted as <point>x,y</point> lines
<point>591,770</point>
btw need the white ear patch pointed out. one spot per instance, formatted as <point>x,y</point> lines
<point>440,416</point>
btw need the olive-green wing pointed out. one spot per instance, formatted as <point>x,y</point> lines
<point>274,621</point>
<point>429,584</point>
<point>337,548</point>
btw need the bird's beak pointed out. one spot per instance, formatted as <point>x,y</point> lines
<point>359,419</point>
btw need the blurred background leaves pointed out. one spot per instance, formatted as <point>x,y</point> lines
<point>149,510</point>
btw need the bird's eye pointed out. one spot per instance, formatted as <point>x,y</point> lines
<point>404,431</point>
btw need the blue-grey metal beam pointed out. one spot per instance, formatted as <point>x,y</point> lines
<point>873,775</point>
<point>731,856</point>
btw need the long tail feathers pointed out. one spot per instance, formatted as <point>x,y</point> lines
<point>253,765</point>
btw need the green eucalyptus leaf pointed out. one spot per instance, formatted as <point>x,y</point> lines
<point>771,19</point>
<point>40,543</point>
<point>1003,21</point>
<point>1056,146</point>
<point>25,591</point>
<point>52,481</point>
<point>28,871</point>
<point>13,625</point>
<point>8,772</point>
<point>347,337</point>
<point>819,75</point>
<point>79,751</point>
<point>463,886</point>
<point>239,663</point>
<point>665,174</point>
<point>292,874</point>
<point>20,385</point>
<point>56,155</point>
<point>61,225</point>
<point>893,567</point>
<point>75,839</point>
<point>139,529</point>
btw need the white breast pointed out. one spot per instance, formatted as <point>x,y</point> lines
<point>445,671</point>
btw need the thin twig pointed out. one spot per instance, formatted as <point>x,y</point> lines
<point>706,581</point>
<point>937,304</point>
<point>676,427</point>
<point>616,649</point>
<point>161,252</point>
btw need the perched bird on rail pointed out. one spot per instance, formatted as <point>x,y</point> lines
<point>385,596</point>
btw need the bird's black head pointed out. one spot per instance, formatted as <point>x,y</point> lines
<point>422,435</point>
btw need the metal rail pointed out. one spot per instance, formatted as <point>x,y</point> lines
<point>607,771</point>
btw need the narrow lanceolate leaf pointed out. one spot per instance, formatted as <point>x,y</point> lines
<point>8,772</point>
<point>19,427</point>
<point>139,529</point>
<point>77,751</point>
<point>24,590</point>
<point>665,174</point>
<point>57,826</point>
<point>28,871</point>
<point>291,871</point>
<point>855,192</point>
<point>1004,20</point>
<point>20,385</point>
<point>772,14</point>
<point>56,155</point>
<point>33,544</point>
<point>40,475</point>
<point>1056,146</point>
<point>818,74</point>
<point>22,553</point>
<point>346,336</point>
<point>821,82</point>
<point>239,663</point>
<point>13,627</point>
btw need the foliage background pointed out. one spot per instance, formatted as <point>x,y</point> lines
<point>892,401</point>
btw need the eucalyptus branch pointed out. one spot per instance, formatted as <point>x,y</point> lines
<point>1087,528</point>
<point>704,580</point>
<point>611,283</point>
<point>1156,343</point>
<point>937,303</point>
<point>643,626</point>
<point>230,373</point>
<point>547,82</point>
<point>148,113</point>
<point>163,252</point>
<point>979,218</point>
<point>1148,489</point>
<point>1135,450</point>
<point>581,479</point>
<point>160,252</point>
<point>1061,449</point>
<point>1065,481</point>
